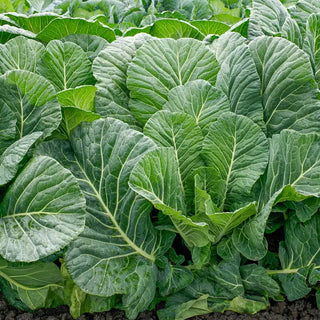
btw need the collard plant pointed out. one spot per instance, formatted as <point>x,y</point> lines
<point>153,163</point>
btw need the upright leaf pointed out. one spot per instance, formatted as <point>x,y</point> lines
<point>237,149</point>
<point>66,65</point>
<point>288,89</point>
<point>199,99</point>
<point>116,252</point>
<point>170,63</point>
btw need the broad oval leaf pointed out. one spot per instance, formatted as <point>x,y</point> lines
<point>237,150</point>
<point>170,63</point>
<point>41,212</point>
<point>288,89</point>
<point>66,65</point>
<point>64,26</point>
<point>199,99</point>
<point>32,100</point>
<point>20,53</point>
<point>116,252</point>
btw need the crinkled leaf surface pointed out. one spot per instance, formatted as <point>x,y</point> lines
<point>170,63</point>
<point>116,252</point>
<point>199,99</point>
<point>41,212</point>
<point>13,156</point>
<point>20,53</point>
<point>237,149</point>
<point>32,100</point>
<point>288,89</point>
<point>292,175</point>
<point>156,177</point>
<point>238,78</point>
<point>66,65</point>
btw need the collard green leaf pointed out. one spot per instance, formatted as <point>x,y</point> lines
<point>110,71</point>
<point>210,27</point>
<point>298,253</point>
<point>238,78</point>
<point>14,155</point>
<point>90,44</point>
<point>178,130</point>
<point>173,278</point>
<point>199,99</point>
<point>80,97</point>
<point>7,127</point>
<point>237,149</point>
<point>31,283</point>
<point>8,32</point>
<point>156,177</point>
<point>271,18</point>
<point>312,44</point>
<point>176,29</point>
<point>66,65</point>
<point>116,252</point>
<point>256,280</point>
<point>62,27</point>
<point>170,63</point>
<point>288,87</point>
<point>20,53</point>
<point>41,212</point>
<point>32,100</point>
<point>292,175</point>
<point>34,22</point>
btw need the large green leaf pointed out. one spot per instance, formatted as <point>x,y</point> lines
<point>270,17</point>
<point>312,44</point>
<point>7,127</point>
<point>156,177</point>
<point>59,28</point>
<point>8,32</point>
<point>30,282</point>
<point>237,150</point>
<point>32,100</point>
<point>110,70</point>
<point>90,44</point>
<point>41,213</point>
<point>14,155</point>
<point>199,99</point>
<point>176,29</point>
<point>81,97</point>
<point>238,77</point>
<point>170,63</point>
<point>66,65</point>
<point>34,22</point>
<point>210,27</point>
<point>20,53</point>
<point>116,252</point>
<point>178,130</point>
<point>292,175</point>
<point>289,91</point>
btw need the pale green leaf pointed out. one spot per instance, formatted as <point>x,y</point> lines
<point>20,53</point>
<point>81,97</point>
<point>210,26</point>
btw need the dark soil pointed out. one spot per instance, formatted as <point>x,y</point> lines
<point>304,309</point>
